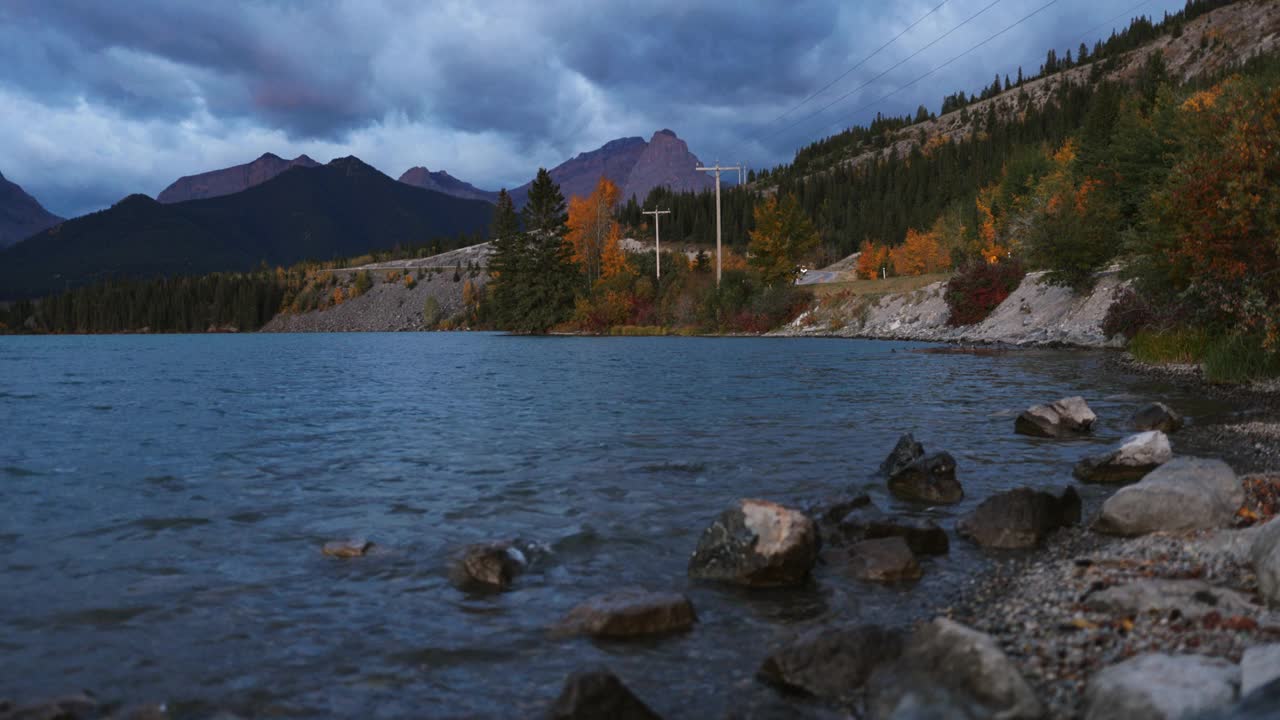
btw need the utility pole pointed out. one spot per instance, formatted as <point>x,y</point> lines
<point>657,244</point>
<point>717,170</point>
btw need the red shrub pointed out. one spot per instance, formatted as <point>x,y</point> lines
<point>979,288</point>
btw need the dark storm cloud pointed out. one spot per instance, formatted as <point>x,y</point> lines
<point>131,94</point>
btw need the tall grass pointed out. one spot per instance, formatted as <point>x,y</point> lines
<point>1224,358</point>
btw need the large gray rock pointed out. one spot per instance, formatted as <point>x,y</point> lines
<point>1019,518</point>
<point>1183,494</point>
<point>759,544</point>
<point>1265,557</point>
<point>1259,666</point>
<point>1137,455</point>
<point>886,559</point>
<point>1156,416</point>
<point>831,662</point>
<point>1068,417</point>
<point>629,613</point>
<point>1161,687</point>
<point>598,695</point>
<point>944,657</point>
<point>867,522</point>
<point>913,475</point>
<point>1261,704</point>
<point>1191,598</point>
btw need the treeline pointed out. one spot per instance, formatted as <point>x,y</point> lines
<point>242,301</point>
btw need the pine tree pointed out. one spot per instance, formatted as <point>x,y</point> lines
<point>544,287</point>
<point>506,264</point>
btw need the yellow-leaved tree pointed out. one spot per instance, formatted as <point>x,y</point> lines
<point>594,234</point>
<point>782,238</point>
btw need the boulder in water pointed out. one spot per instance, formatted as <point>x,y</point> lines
<point>628,613</point>
<point>757,543</point>
<point>923,536</point>
<point>1137,456</point>
<point>1067,417</point>
<point>1156,416</point>
<point>489,566</point>
<point>1020,518</point>
<point>598,695</point>
<point>886,560</point>
<point>358,547</point>
<point>831,662</point>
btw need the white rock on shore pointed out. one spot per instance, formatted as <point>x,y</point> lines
<point>1183,494</point>
<point>1265,557</point>
<point>1161,687</point>
<point>1137,455</point>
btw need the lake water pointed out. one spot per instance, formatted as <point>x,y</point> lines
<point>166,497</point>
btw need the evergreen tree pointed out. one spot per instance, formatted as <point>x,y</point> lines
<point>506,263</point>
<point>544,286</point>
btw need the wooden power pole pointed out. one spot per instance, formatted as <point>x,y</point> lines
<point>717,169</point>
<point>657,243</point>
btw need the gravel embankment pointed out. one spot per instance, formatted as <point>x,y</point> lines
<point>386,307</point>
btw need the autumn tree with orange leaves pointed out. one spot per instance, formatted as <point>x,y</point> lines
<point>594,234</point>
<point>783,237</point>
<point>920,254</point>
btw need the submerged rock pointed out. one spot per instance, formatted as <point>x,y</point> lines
<point>1157,686</point>
<point>347,548</point>
<point>948,666</point>
<point>1137,456</point>
<point>1183,494</point>
<point>1019,518</point>
<point>598,695</point>
<point>630,613</point>
<point>1156,416</point>
<point>1191,598</point>
<point>1265,558</point>
<point>491,565</point>
<point>70,707</point>
<point>883,560</point>
<point>832,663</point>
<point>757,543</point>
<point>1067,417</point>
<point>923,536</point>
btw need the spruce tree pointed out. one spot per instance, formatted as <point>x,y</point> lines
<point>543,288</point>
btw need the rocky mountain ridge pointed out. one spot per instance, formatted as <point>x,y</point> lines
<point>234,179</point>
<point>21,215</point>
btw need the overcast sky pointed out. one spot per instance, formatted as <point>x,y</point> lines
<point>99,99</point>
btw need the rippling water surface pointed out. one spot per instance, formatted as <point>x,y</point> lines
<point>165,498</point>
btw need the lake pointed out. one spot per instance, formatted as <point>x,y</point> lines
<point>166,497</point>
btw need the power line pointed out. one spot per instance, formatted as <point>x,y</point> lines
<point>1024,18</point>
<point>861,62</point>
<point>891,68</point>
<point>1113,20</point>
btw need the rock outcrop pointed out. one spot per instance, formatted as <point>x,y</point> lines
<point>1137,455</point>
<point>831,663</point>
<point>629,613</point>
<point>1020,518</point>
<point>1183,494</point>
<point>757,543</point>
<point>913,475</point>
<point>597,694</point>
<point>1068,417</point>
<point>1156,416</point>
<point>1159,687</point>
<point>950,665</point>
<point>234,179</point>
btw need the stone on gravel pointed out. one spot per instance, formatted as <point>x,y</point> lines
<point>757,543</point>
<point>1067,417</point>
<point>883,560</point>
<point>1020,518</point>
<point>924,536</point>
<point>1156,686</point>
<point>831,663</point>
<point>347,548</point>
<point>1137,456</point>
<point>943,657</point>
<point>628,613</point>
<point>1183,494</point>
<point>1156,416</point>
<point>1191,598</point>
<point>491,565</point>
<point>1259,666</point>
<point>598,694</point>
<point>1265,557</point>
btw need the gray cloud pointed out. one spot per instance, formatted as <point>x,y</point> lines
<point>103,99</point>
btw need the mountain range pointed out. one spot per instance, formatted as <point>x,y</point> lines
<point>442,181</point>
<point>227,181</point>
<point>21,215</point>
<point>338,210</point>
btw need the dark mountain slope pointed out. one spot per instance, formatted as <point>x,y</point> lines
<point>21,215</point>
<point>341,209</point>
<point>234,179</point>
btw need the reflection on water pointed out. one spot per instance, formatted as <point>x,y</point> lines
<point>166,498</point>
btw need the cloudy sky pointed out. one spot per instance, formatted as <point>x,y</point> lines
<point>101,99</point>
